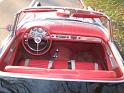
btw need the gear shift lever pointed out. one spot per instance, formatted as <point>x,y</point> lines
<point>55,55</point>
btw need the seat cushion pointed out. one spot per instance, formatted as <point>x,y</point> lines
<point>44,64</point>
<point>88,65</point>
<point>34,63</point>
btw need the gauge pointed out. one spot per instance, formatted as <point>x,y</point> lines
<point>34,29</point>
<point>40,30</point>
<point>32,33</point>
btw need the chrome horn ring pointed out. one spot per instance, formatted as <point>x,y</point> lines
<point>37,41</point>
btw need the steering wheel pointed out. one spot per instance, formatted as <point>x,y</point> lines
<point>36,41</point>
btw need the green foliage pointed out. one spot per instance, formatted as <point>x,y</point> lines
<point>115,10</point>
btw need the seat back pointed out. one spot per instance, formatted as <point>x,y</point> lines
<point>60,73</point>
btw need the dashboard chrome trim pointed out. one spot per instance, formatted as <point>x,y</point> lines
<point>75,37</point>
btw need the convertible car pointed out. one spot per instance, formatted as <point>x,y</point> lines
<point>52,42</point>
<point>61,43</point>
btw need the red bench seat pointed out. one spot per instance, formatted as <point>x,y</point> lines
<point>62,73</point>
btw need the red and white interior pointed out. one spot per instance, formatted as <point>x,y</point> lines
<point>76,59</point>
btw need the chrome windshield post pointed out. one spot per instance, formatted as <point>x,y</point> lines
<point>15,23</point>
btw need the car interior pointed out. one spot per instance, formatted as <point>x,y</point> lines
<point>87,58</point>
<point>37,51</point>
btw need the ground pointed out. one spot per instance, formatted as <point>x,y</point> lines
<point>7,10</point>
<point>9,7</point>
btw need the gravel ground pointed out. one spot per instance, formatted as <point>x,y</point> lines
<point>7,10</point>
<point>9,7</point>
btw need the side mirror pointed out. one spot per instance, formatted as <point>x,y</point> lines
<point>10,28</point>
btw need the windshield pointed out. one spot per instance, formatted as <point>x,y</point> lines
<point>52,17</point>
<point>61,3</point>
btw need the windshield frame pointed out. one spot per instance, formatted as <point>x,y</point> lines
<point>57,3</point>
<point>27,10</point>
